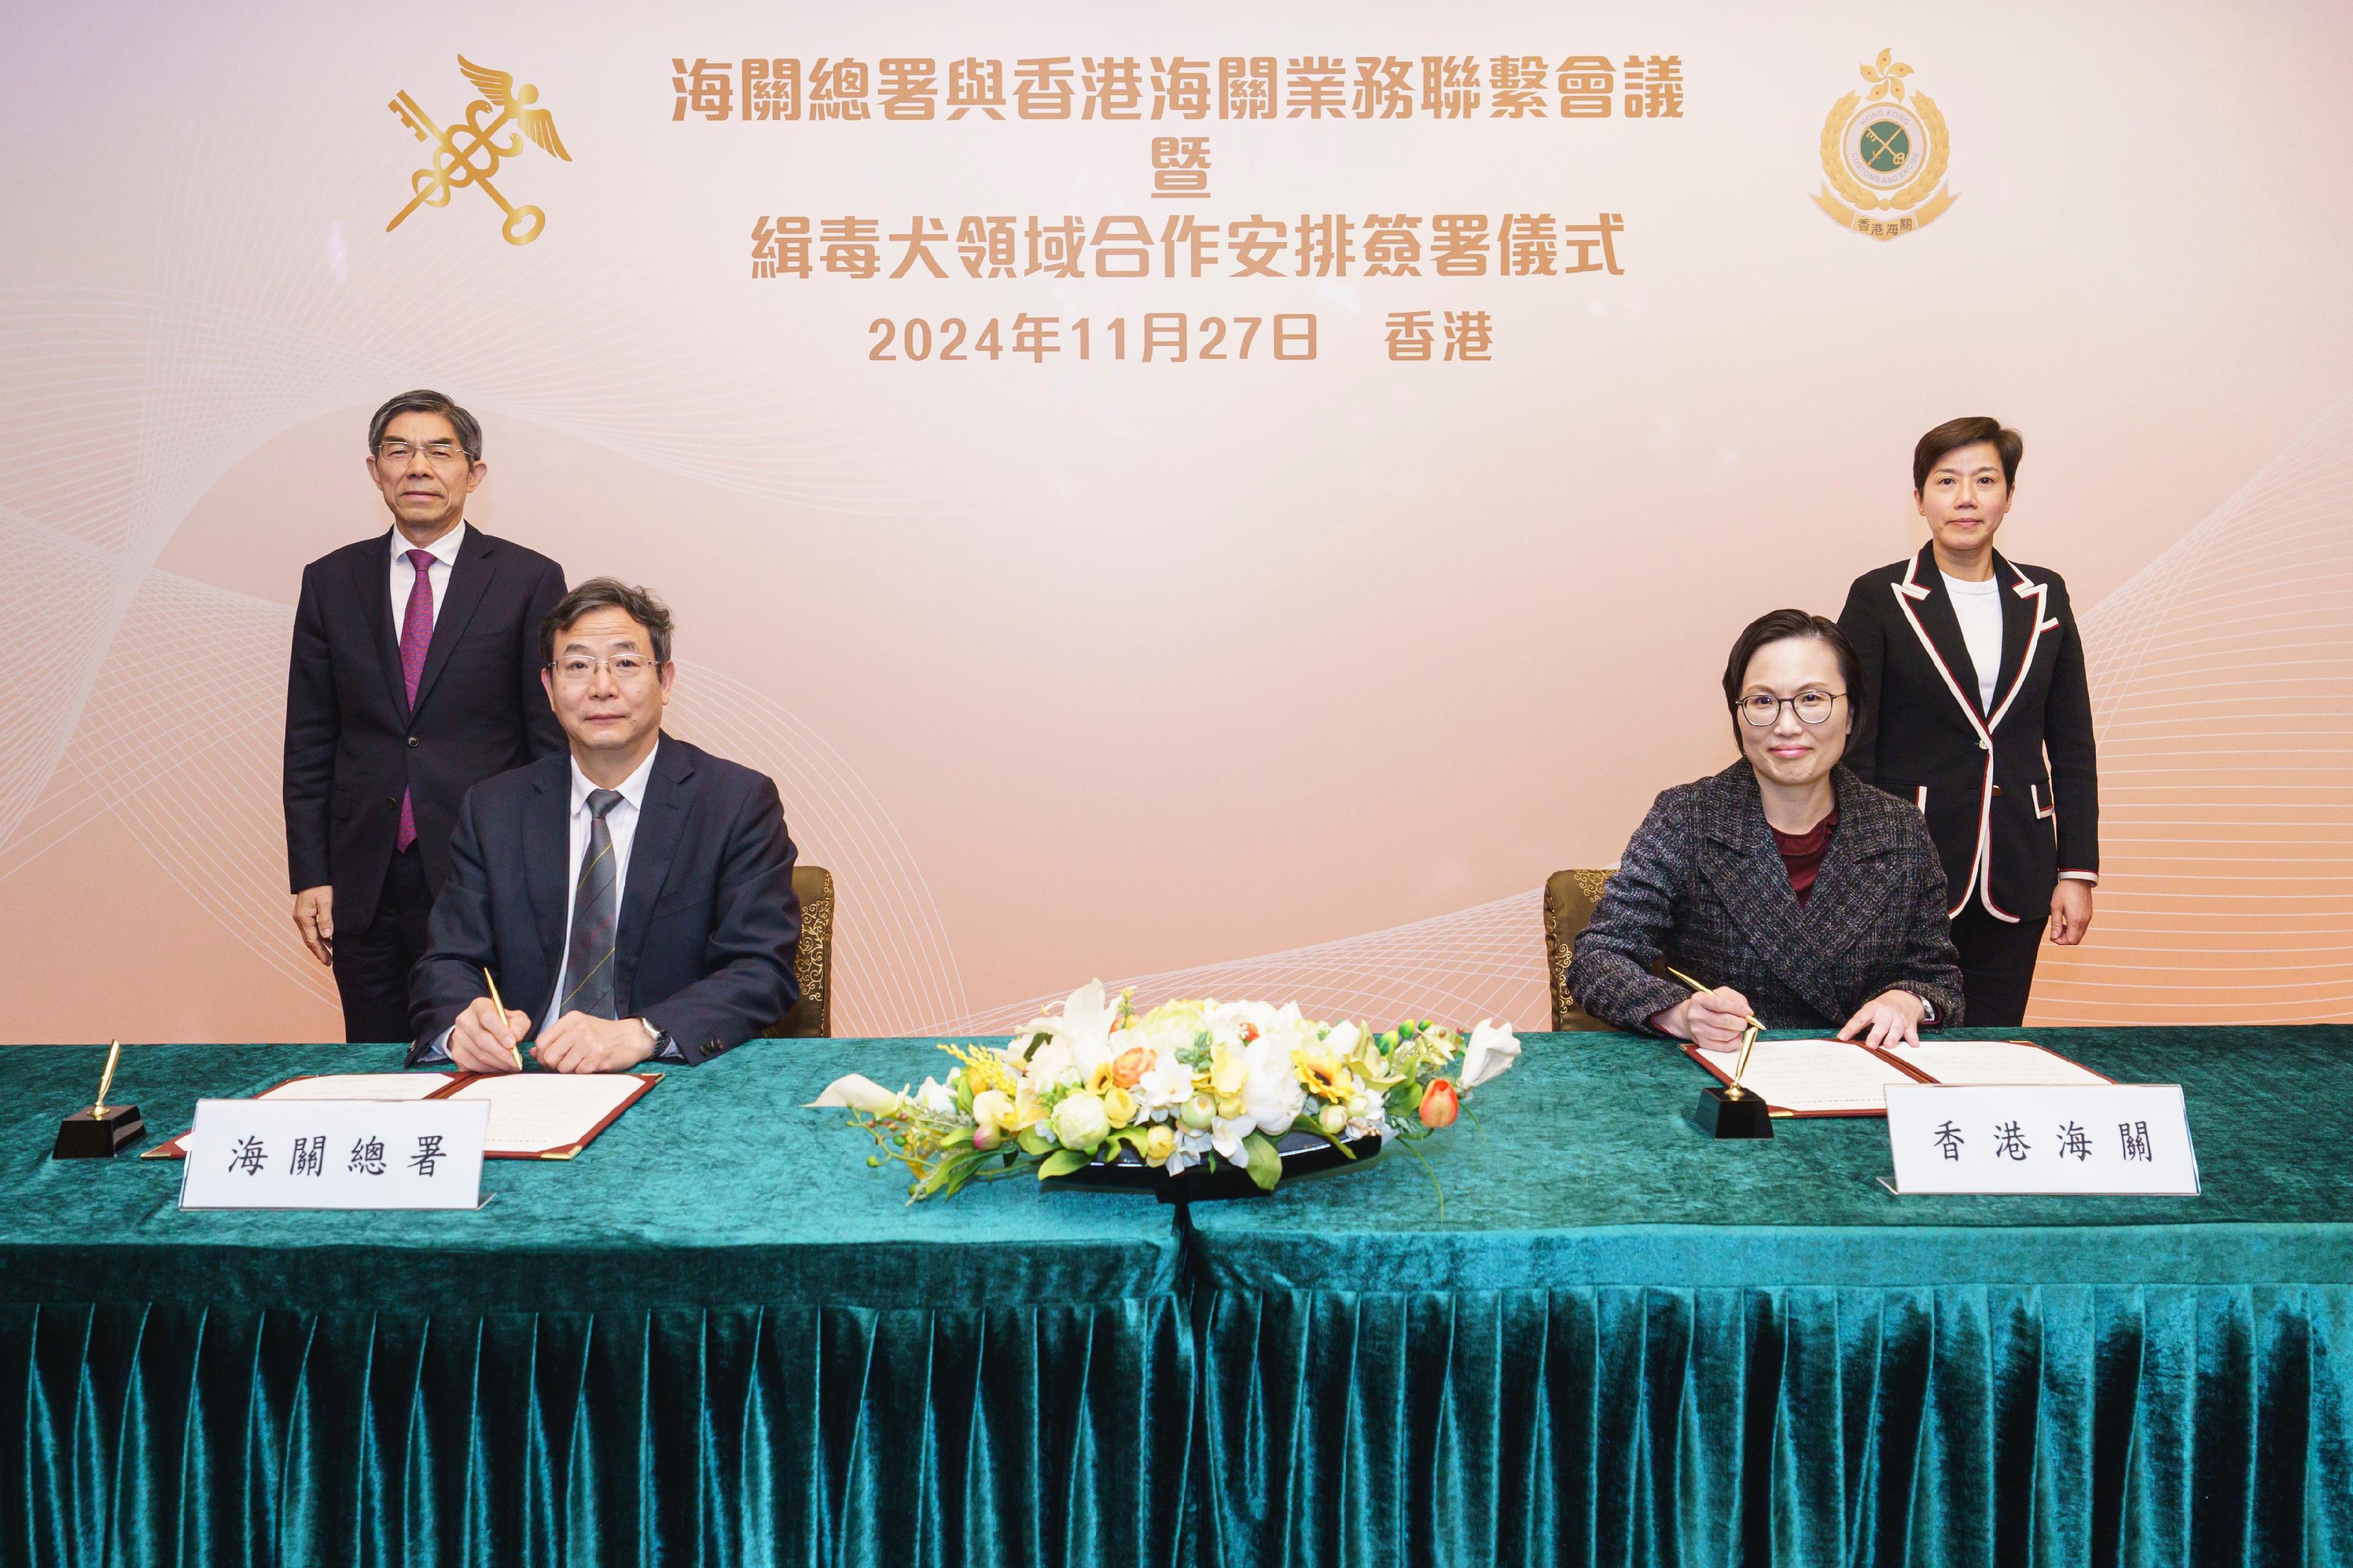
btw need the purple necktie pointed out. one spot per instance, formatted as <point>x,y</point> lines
<point>415,637</point>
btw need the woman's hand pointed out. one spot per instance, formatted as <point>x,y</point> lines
<point>1891,1019</point>
<point>2071,912</point>
<point>1712,1020</point>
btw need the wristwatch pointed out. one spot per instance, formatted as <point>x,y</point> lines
<point>665,1048</point>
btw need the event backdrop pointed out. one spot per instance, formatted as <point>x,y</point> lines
<point>1226,497</point>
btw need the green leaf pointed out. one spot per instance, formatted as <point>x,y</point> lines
<point>1061,1163</point>
<point>1034,1141</point>
<point>1262,1160</point>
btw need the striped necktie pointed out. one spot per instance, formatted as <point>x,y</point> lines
<point>588,959</point>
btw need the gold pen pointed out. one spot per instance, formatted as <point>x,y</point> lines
<point>113,1055</point>
<point>502,1015</point>
<point>1748,1037</point>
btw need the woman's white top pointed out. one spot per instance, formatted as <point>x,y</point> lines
<point>1978,606</point>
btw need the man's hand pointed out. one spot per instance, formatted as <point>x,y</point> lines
<point>2071,912</point>
<point>1712,1020</point>
<point>484,1039</point>
<point>314,918</point>
<point>578,1043</point>
<point>1892,1018</point>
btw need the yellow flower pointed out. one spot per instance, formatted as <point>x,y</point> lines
<point>1159,1143</point>
<point>1119,1105</point>
<point>1324,1075</point>
<point>1229,1070</point>
<point>982,1071</point>
<point>1026,1111</point>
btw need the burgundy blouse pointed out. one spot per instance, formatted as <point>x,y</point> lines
<point>1802,853</point>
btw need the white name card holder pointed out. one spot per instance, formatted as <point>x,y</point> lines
<point>2110,1138</point>
<point>335,1154</point>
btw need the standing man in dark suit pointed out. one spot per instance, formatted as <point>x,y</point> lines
<point>415,676</point>
<point>1977,710</point>
<point>634,897</point>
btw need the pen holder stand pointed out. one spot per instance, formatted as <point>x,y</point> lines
<point>83,1136</point>
<point>1727,1113</point>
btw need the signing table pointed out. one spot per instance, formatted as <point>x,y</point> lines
<point>717,1336</point>
<point>1625,1343</point>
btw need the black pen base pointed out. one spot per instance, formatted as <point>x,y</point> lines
<point>1722,1114</point>
<point>82,1136</point>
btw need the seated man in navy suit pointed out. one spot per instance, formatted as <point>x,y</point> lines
<point>633,896</point>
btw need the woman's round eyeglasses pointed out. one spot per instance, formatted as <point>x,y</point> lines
<point>1811,707</point>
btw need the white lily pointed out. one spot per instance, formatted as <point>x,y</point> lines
<point>858,1092</point>
<point>1082,1030</point>
<point>1491,1053</point>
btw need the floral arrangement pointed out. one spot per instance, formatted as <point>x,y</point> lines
<point>1189,1083</point>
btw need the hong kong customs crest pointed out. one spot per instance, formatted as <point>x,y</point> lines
<point>1884,151</point>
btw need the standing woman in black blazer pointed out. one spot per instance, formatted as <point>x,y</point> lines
<point>1976,710</point>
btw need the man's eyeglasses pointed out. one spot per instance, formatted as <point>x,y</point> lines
<point>1811,707</point>
<point>440,454</point>
<point>579,669</point>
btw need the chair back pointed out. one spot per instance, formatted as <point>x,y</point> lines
<point>812,1017</point>
<point>1568,901</point>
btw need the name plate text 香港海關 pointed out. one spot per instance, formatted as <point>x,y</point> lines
<point>2041,1138</point>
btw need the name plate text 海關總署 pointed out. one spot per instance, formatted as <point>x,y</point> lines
<point>335,1154</point>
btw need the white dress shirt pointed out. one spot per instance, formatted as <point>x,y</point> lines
<point>621,823</point>
<point>404,577</point>
<point>1978,606</point>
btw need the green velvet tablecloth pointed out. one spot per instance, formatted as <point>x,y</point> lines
<point>717,1337</point>
<point>1626,1344</point>
<point>713,1337</point>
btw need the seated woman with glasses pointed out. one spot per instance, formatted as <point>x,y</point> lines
<point>1802,895</point>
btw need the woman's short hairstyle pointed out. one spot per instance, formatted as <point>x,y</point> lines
<point>1955,433</point>
<point>607,593</point>
<point>424,401</point>
<point>1780,625</point>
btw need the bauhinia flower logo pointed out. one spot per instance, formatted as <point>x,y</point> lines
<point>1883,153</point>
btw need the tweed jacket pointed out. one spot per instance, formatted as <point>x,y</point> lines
<point>1703,883</point>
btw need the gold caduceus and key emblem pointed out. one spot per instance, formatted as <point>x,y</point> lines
<point>470,152</point>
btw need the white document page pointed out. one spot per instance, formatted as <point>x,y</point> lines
<point>534,1111</point>
<point>362,1086</point>
<point>1961,1063</point>
<point>1814,1075</point>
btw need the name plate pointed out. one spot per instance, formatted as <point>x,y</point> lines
<point>2092,1138</point>
<point>335,1154</point>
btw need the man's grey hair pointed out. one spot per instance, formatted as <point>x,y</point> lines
<point>424,401</point>
<point>607,593</point>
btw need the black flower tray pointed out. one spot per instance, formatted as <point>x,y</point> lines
<point>1303,1154</point>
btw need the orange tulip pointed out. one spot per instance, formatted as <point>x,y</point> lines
<point>1129,1068</point>
<point>1440,1104</point>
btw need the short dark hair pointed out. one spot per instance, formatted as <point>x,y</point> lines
<point>607,593</point>
<point>1955,433</point>
<point>1780,625</point>
<point>426,401</point>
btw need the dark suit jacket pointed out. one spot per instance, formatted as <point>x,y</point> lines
<point>1703,883</point>
<point>709,922</point>
<point>2012,794</point>
<point>353,743</point>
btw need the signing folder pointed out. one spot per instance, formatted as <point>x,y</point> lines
<point>1839,1077</point>
<point>533,1116</point>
